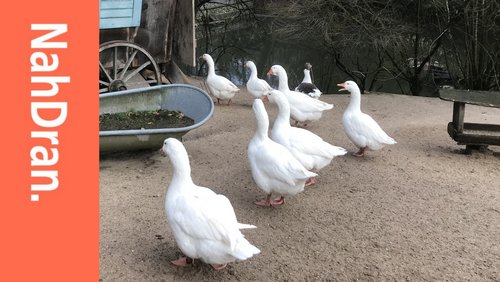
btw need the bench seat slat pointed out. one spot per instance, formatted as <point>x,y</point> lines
<point>476,133</point>
<point>480,98</point>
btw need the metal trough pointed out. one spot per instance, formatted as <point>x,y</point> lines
<point>193,102</point>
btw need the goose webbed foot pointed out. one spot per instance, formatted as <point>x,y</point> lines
<point>311,181</point>
<point>267,202</point>
<point>278,201</point>
<point>219,266</point>
<point>183,261</point>
<point>360,153</point>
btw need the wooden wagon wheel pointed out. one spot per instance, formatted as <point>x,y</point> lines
<point>125,65</point>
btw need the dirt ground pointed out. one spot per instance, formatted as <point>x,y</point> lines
<point>416,211</point>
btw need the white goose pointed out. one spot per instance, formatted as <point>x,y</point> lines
<point>361,128</point>
<point>203,223</point>
<point>303,108</point>
<point>309,149</point>
<point>221,87</point>
<point>307,86</point>
<point>274,168</point>
<point>257,87</point>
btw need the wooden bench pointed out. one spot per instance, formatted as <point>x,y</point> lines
<point>473,135</point>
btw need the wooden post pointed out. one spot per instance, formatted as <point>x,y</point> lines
<point>458,116</point>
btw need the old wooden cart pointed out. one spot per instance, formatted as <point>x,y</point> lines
<point>139,39</point>
<point>138,42</point>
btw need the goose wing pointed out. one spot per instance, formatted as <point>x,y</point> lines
<point>222,84</point>
<point>204,214</point>
<point>274,161</point>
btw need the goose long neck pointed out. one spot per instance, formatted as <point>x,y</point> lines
<point>355,102</point>
<point>307,76</point>
<point>181,168</point>
<point>211,66</point>
<point>283,117</point>
<point>262,126</point>
<point>253,71</point>
<point>283,82</point>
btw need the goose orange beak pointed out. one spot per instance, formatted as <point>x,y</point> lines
<point>270,72</point>
<point>342,85</point>
<point>265,98</point>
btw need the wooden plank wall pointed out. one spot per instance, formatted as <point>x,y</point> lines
<point>163,22</point>
<point>184,48</point>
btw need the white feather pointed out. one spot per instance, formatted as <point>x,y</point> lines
<point>310,149</point>
<point>302,107</point>
<point>307,86</point>
<point>221,87</point>
<point>256,87</point>
<point>361,128</point>
<point>203,223</point>
<point>274,168</point>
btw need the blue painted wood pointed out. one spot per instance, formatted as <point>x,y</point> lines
<point>119,13</point>
<point>116,4</point>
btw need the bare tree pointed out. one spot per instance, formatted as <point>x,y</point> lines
<point>399,40</point>
<point>474,43</point>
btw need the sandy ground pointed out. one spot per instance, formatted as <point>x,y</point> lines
<point>418,210</point>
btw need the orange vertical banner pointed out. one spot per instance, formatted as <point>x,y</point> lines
<point>49,196</point>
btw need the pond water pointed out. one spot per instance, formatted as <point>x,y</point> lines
<point>230,50</point>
